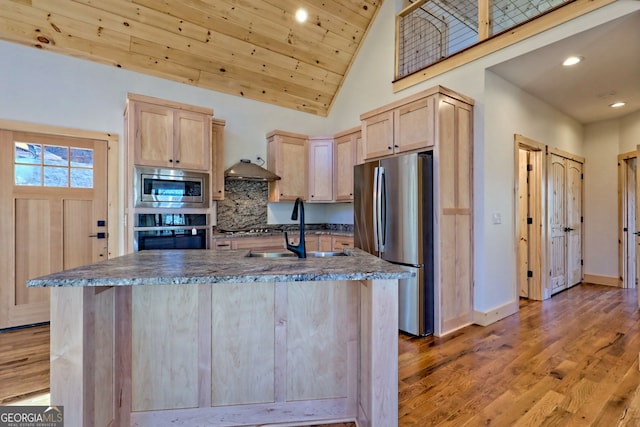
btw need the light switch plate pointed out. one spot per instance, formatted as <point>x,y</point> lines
<point>497,218</point>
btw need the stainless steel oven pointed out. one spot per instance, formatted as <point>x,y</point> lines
<point>170,188</point>
<point>171,230</point>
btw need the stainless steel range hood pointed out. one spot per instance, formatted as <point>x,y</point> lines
<point>248,171</point>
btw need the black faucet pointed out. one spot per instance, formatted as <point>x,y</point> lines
<point>299,249</point>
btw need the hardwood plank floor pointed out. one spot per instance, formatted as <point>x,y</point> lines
<point>568,361</point>
<point>24,363</point>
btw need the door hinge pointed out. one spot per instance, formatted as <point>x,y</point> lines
<point>581,176</point>
<point>581,219</point>
<point>529,273</point>
<point>529,220</point>
<point>529,167</point>
<point>625,229</point>
<point>581,262</point>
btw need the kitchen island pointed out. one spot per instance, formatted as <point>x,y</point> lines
<point>207,338</point>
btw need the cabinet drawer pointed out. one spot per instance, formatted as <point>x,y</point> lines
<point>341,242</point>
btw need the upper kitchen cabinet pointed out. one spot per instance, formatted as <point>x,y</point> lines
<point>400,127</point>
<point>287,157</point>
<point>217,159</point>
<point>345,149</point>
<point>320,171</point>
<point>169,134</point>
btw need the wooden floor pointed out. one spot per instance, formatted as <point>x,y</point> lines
<point>24,363</point>
<point>568,361</point>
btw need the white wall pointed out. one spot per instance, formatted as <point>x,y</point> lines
<point>630,132</point>
<point>603,142</point>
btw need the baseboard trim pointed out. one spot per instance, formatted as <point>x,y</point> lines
<point>602,280</point>
<point>488,317</point>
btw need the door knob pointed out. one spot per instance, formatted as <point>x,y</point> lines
<point>99,235</point>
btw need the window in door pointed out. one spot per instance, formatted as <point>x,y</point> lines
<point>45,165</point>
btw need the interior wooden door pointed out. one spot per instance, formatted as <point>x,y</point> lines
<point>627,166</point>
<point>55,203</point>
<point>630,251</point>
<point>637,238</point>
<point>565,221</point>
<point>557,217</point>
<point>574,221</point>
<point>523,230</point>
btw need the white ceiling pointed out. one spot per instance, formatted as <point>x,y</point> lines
<point>610,71</point>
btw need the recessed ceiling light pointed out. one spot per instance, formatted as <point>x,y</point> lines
<point>301,15</point>
<point>572,60</point>
<point>618,104</point>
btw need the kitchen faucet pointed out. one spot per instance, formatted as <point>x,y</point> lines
<point>298,249</point>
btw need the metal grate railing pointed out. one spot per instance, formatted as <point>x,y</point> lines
<point>431,30</point>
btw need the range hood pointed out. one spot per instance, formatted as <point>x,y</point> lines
<point>248,171</point>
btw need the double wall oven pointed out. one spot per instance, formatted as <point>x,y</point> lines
<point>170,209</point>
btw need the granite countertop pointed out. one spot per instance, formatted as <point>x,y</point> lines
<point>292,233</point>
<point>167,267</point>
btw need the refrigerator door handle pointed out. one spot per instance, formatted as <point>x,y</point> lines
<point>375,208</point>
<point>382,209</point>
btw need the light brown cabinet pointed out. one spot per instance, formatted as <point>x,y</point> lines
<point>168,134</point>
<point>316,168</point>
<point>345,149</point>
<point>339,243</point>
<point>404,126</point>
<point>287,157</point>
<point>313,242</point>
<point>217,159</point>
<point>439,120</point>
<point>320,172</point>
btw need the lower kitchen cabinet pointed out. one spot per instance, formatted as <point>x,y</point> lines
<point>313,242</point>
<point>339,243</point>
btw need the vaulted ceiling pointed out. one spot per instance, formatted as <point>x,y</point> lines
<point>250,48</point>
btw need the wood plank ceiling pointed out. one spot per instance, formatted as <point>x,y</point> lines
<point>250,48</point>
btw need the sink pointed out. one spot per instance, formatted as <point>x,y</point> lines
<point>279,254</point>
<point>326,254</point>
<point>262,254</point>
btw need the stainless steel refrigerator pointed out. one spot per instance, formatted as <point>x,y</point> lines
<point>393,219</point>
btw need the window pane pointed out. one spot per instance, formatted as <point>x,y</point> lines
<point>56,177</point>
<point>54,155</point>
<point>28,175</point>
<point>81,178</point>
<point>81,157</point>
<point>28,153</point>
